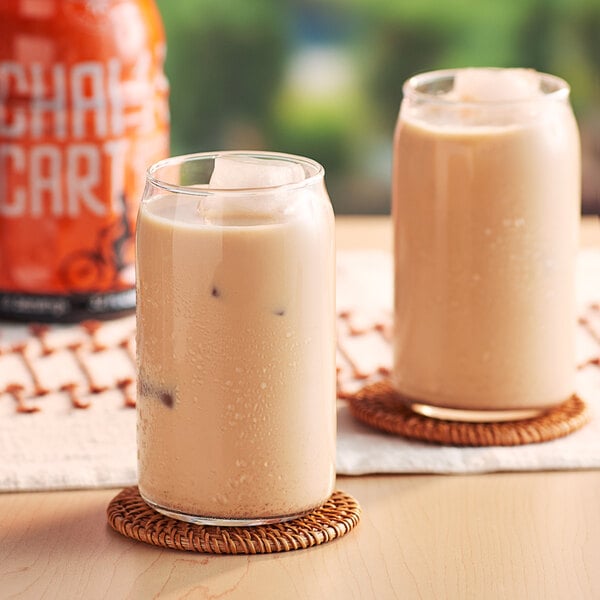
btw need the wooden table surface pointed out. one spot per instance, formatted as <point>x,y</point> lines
<point>494,536</point>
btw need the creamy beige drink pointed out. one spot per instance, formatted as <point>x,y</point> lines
<point>236,350</point>
<point>486,207</point>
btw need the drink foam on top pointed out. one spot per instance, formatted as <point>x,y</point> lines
<point>484,97</point>
<point>240,172</point>
<point>495,85</point>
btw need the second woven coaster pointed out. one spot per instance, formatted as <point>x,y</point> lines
<point>129,515</point>
<point>379,406</point>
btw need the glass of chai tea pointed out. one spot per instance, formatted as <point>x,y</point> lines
<point>236,338</point>
<point>486,203</point>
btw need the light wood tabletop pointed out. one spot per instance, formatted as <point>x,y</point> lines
<point>532,535</point>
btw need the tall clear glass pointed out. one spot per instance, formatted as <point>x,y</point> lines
<point>486,203</point>
<point>236,338</point>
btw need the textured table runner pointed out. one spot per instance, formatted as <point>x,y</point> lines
<point>66,395</point>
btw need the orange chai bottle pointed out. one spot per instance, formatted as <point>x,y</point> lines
<point>83,113</point>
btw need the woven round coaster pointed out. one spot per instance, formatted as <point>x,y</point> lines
<point>131,516</point>
<point>379,406</point>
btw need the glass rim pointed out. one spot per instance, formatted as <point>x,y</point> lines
<point>151,178</point>
<point>410,89</point>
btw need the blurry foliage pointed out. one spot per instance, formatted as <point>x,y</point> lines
<point>227,62</point>
<point>328,132</point>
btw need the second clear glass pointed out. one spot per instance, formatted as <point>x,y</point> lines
<point>486,200</point>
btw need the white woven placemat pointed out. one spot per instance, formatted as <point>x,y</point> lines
<point>63,445</point>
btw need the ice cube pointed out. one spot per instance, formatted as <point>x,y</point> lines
<point>500,85</point>
<point>236,172</point>
<point>239,172</point>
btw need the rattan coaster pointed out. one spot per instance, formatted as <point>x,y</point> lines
<point>378,405</point>
<point>131,516</point>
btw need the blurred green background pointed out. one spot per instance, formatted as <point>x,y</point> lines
<point>323,78</point>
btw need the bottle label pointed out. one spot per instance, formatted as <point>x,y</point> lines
<point>75,142</point>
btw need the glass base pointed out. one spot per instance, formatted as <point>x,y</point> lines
<point>219,522</point>
<point>473,416</point>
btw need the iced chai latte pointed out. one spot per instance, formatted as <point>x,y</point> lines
<point>486,209</point>
<point>236,354</point>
